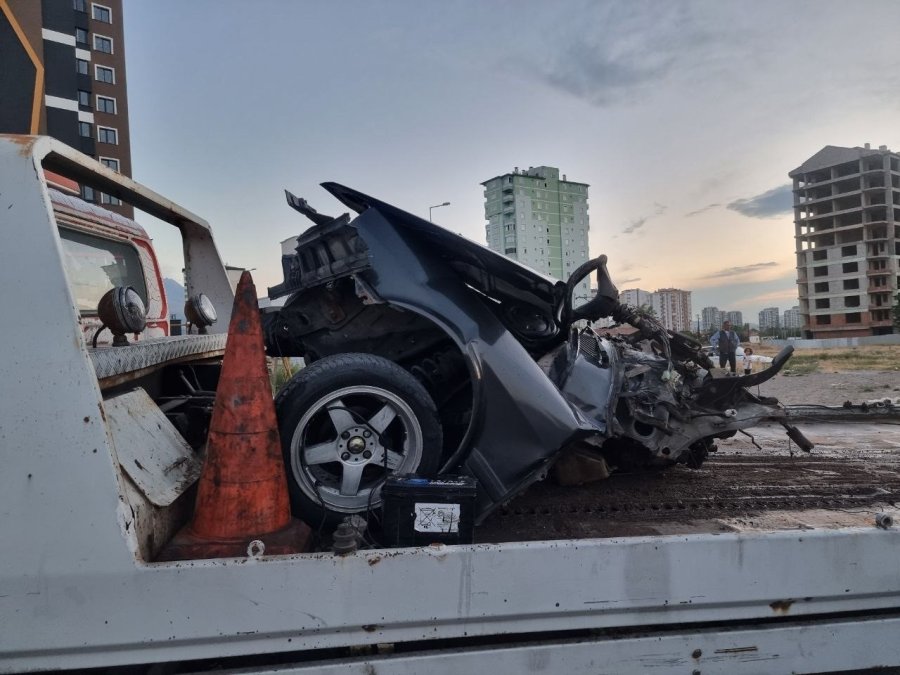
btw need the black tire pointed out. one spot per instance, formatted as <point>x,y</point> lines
<point>353,419</point>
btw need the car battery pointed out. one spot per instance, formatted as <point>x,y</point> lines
<point>421,511</point>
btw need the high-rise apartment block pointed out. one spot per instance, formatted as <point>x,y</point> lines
<point>636,297</point>
<point>710,318</point>
<point>846,210</point>
<point>792,319</point>
<point>63,75</point>
<point>736,318</point>
<point>540,220</point>
<point>769,319</point>
<point>673,308</point>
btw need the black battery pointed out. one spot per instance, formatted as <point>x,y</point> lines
<point>421,511</point>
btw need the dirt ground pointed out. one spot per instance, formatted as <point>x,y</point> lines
<point>821,388</point>
<point>758,481</point>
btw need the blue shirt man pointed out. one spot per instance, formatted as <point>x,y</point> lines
<point>726,341</point>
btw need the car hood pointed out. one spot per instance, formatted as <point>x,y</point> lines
<point>499,278</point>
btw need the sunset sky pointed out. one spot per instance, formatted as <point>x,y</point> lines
<point>684,118</point>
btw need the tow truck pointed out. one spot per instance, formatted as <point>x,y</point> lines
<point>100,444</point>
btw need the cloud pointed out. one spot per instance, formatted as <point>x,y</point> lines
<point>701,210</point>
<point>635,224</point>
<point>788,294</point>
<point>736,271</point>
<point>640,221</point>
<point>622,282</point>
<point>775,202</point>
<point>618,51</point>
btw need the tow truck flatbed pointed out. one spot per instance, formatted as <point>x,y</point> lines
<point>78,588</point>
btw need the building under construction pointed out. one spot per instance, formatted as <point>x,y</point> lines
<point>846,205</point>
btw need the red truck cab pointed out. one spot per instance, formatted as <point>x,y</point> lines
<point>102,249</point>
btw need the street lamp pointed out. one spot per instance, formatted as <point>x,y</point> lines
<point>436,206</point>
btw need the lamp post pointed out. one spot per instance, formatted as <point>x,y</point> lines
<point>436,206</point>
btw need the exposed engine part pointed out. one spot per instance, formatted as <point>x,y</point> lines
<point>349,535</point>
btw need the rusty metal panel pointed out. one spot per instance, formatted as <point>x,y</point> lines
<point>150,450</point>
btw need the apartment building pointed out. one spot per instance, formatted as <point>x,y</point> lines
<point>636,297</point>
<point>710,318</point>
<point>736,318</point>
<point>673,308</point>
<point>541,220</point>
<point>792,319</point>
<point>769,319</point>
<point>63,75</point>
<point>847,233</point>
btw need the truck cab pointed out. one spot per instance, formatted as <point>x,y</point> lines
<point>102,250</point>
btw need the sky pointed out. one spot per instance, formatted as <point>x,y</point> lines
<point>683,117</point>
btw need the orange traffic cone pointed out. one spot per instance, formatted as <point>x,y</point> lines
<point>242,494</point>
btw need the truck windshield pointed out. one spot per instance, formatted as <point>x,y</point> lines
<point>94,265</point>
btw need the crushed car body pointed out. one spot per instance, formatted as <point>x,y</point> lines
<point>427,352</point>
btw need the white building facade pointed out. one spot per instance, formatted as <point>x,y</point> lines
<point>636,297</point>
<point>673,308</point>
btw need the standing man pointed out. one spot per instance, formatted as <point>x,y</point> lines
<point>726,341</point>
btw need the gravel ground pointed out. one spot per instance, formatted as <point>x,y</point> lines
<point>833,388</point>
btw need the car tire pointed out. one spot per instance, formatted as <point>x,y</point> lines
<point>346,423</point>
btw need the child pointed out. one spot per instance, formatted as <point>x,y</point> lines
<point>748,363</point>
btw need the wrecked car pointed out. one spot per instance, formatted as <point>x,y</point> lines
<point>429,353</point>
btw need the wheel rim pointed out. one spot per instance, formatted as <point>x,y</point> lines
<point>342,444</point>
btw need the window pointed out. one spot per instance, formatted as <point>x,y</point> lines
<point>104,74</point>
<point>81,66</point>
<point>103,44</point>
<point>854,317</point>
<point>823,303</point>
<point>87,193</point>
<point>107,135</point>
<point>821,287</point>
<point>850,267</point>
<point>94,265</point>
<point>820,271</point>
<point>851,284</point>
<point>110,162</point>
<point>80,5</point>
<point>84,129</point>
<point>107,199</point>
<point>820,255</point>
<point>823,319</point>
<point>848,250</point>
<point>851,301</point>
<point>84,98</point>
<point>101,13</point>
<point>81,37</point>
<point>106,104</point>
